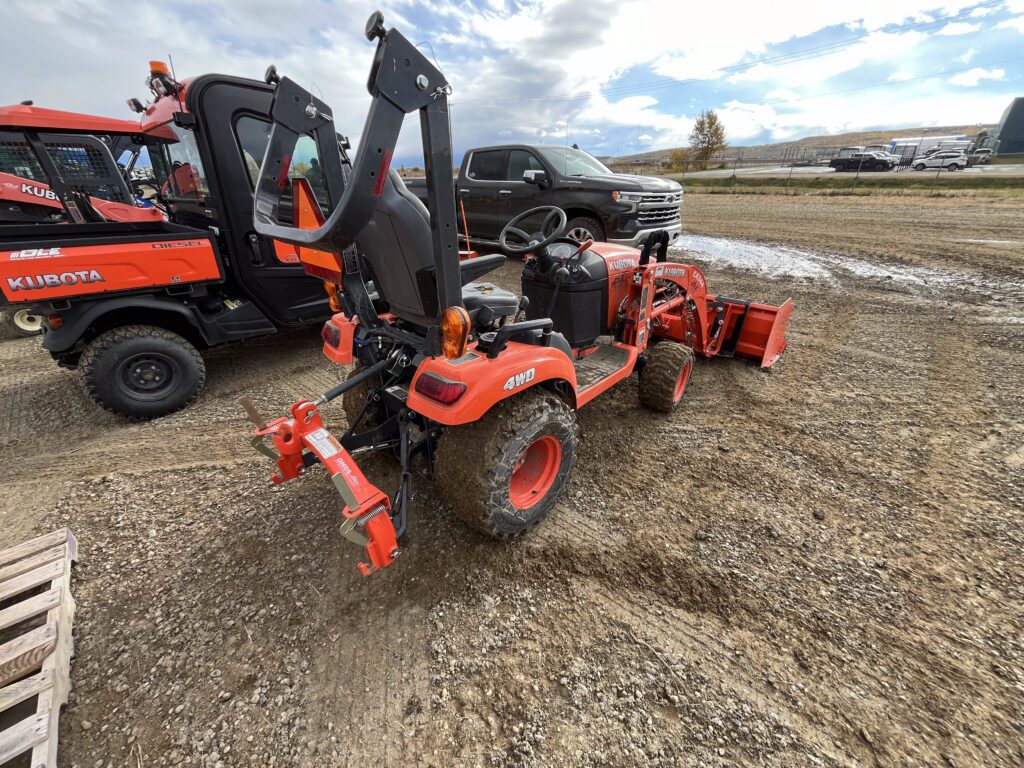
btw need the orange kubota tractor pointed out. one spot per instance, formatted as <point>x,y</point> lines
<point>481,383</point>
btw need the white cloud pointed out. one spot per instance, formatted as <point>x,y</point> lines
<point>980,12</point>
<point>899,77</point>
<point>1015,23</point>
<point>968,55</point>
<point>972,77</point>
<point>959,28</point>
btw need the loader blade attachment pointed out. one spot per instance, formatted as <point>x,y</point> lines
<point>763,336</point>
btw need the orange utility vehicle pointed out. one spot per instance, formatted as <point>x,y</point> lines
<point>130,293</point>
<point>481,383</point>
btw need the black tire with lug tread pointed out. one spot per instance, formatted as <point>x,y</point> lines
<point>585,223</point>
<point>141,371</point>
<point>475,464</point>
<point>664,378</point>
<point>352,402</point>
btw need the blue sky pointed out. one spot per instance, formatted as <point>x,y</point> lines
<point>615,76</point>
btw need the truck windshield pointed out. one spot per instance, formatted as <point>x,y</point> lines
<point>573,162</point>
<point>176,163</point>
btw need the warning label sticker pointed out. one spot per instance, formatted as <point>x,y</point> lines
<point>323,442</point>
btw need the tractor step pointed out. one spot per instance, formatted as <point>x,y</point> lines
<point>35,660</point>
<point>599,365</point>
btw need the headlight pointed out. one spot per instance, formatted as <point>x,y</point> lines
<point>627,197</point>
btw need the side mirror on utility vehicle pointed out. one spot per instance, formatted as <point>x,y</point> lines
<point>540,178</point>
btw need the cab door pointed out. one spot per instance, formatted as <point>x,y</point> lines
<point>478,193</point>
<point>516,196</point>
<point>234,119</point>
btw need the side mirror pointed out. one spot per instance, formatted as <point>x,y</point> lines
<point>540,178</point>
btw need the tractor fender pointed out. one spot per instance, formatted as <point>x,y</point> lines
<point>81,316</point>
<point>489,381</point>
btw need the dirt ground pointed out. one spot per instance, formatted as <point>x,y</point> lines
<point>817,566</point>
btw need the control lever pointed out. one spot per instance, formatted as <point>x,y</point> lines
<point>523,304</point>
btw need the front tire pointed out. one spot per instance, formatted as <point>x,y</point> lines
<point>664,377</point>
<point>141,371</point>
<point>583,228</point>
<point>26,322</point>
<point>952,167</point>
<point>919,167</point>
<point>503,473</point>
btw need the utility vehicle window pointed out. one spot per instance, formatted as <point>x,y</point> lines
<point>573,162</point>
<point>176,163</point>
<point>85,164</point>
<point>17,158</point>
<point>486,166</point>
<point>253,135</point>
<point>520,161</point>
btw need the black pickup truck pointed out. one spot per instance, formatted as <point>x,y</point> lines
<point>495,184</point>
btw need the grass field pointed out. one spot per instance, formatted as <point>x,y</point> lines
<point>903,183</point>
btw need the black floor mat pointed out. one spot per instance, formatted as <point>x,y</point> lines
<point>599,365</point>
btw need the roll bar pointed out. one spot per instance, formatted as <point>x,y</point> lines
<point>402,81</point>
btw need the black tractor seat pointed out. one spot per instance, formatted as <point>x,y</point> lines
<point>499,302</point>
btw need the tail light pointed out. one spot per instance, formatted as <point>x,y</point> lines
<point>439,389</point>
<point>330,334</point>
<point>54,322</point>
<point>454,332</point>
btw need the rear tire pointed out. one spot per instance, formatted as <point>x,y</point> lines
<point>353,400</point>
<point>503,473</point>
<point>952,167</point>
<point>25,322</point>
<point>586,228</point>
<point>664,378</point>
<point>920,167</point>
<point>141,371</point>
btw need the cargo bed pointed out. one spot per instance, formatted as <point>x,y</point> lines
<point>48,262</point>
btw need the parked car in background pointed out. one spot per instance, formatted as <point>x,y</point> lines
<point>979,157</point>
<point>950,160</point>
<point>862,161</point>
<point>496,184</point>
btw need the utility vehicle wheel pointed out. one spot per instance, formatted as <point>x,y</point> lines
<point>503,473</point>
<point>919,167</point>
<point>25,322</point>
<point>952,167</point>
<point>353,400</point>
<point>142,372</point>
<point>665,376</point>
<point>584,228</point>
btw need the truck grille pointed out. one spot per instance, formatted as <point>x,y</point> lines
<point>657,209</point>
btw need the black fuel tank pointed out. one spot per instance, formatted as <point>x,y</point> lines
<point>581,307</point>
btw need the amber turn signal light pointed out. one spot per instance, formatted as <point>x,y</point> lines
<point>454,332</point>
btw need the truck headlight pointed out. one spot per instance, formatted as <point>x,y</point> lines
<point>627,197</point>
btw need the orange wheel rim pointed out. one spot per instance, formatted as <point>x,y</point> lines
<point>684,377</point>
<point>535,472</point>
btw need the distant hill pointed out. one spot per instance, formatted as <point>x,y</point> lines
<point>800,146</point>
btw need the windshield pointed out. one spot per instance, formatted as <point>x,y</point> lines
<point>176,163</point>
<point>573,162</point>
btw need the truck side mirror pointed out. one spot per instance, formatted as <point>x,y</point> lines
<point>540,178</point>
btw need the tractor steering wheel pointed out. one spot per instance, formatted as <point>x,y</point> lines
<point>533,244</point>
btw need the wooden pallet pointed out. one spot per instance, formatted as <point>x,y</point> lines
<point>35,578</point>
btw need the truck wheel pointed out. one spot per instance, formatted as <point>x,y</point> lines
<point>142,372</point>
<point>919,167</point>
<point>952,167</point>
<point>584,228</point>
<point>503,473</point>
<point>664,378</point>
<point>26,322</point>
